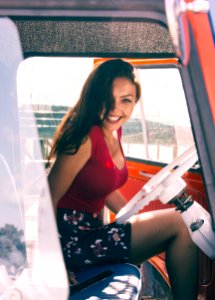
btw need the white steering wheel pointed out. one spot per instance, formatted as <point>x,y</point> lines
<point>165,185</point>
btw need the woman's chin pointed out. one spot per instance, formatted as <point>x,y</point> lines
<point>112,125</point>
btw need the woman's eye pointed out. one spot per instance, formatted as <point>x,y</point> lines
<point>127,100</point>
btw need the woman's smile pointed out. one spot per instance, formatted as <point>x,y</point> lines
<point>113,119</point>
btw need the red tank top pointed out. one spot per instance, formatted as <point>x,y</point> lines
<point>97,179</point>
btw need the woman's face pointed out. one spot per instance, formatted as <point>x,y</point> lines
<point>124,94</point>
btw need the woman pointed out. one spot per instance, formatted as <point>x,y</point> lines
<point>89,169</point>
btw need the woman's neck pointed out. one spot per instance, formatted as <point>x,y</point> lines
<point>109,136</point>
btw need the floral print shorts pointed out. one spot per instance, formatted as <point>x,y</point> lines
<point>86,241</point>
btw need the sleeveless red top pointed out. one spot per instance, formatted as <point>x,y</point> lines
<point>96,180</point>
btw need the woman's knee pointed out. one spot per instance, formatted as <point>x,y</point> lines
<point>180,226</point>
<point>153,231</point>
<point>166,223</point>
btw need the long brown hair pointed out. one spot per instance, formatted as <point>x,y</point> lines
<point>96,100</point>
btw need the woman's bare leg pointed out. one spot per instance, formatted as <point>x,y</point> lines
<point>164,230</point>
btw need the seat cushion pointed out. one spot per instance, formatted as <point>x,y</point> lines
<point>122,281</point>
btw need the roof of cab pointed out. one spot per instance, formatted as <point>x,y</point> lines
<point>91,28</point>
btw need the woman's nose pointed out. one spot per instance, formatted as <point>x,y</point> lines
<point>115,105</point>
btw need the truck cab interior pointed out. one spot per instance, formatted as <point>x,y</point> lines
<point>47,49</point>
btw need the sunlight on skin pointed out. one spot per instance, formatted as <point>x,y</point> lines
<point>145,216</point>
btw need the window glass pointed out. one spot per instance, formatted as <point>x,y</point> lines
<point>51,86</point>
<point>159,129</point>
<point>12,241</point>
<point>29,255</point>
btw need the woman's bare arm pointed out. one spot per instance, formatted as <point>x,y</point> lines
<point>115,201</point>
<point>65,169</point>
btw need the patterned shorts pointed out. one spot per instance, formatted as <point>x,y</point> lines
<point>86,241</point>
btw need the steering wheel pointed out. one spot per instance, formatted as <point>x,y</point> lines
<point>165,185</point>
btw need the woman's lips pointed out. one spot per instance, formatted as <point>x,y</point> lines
<point>113,118</point>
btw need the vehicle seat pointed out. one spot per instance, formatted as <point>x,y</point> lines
<point>112,281</point>
<point>123,281</point>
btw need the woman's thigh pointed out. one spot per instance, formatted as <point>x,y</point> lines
<point>152,232</point>
<point>86,241</point>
